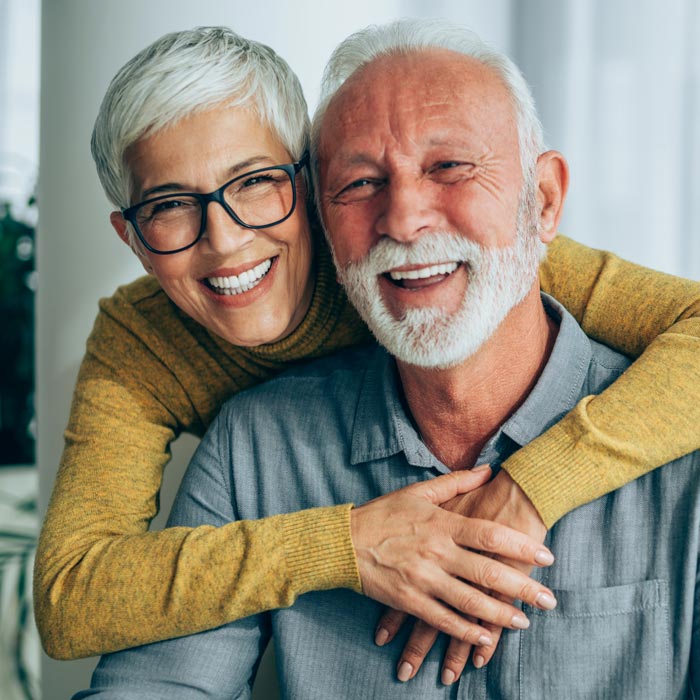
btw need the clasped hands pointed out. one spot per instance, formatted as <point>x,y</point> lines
<point>453,544</point>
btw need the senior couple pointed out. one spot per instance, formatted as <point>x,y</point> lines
<point>438,201</point>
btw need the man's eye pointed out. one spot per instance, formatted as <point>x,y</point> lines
<point>450,171</point>
<point>357,190</point>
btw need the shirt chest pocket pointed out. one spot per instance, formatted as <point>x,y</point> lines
<point>599,644</point>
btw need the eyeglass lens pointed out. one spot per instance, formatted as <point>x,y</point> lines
<point>261,199</point>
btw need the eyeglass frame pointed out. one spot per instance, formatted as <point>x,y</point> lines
<point>292,170</point>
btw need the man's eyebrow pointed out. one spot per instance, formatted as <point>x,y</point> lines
<point>252,163</point>
<point>353,158</point>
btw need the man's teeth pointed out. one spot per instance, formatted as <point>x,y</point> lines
<point>423,272</point>
<point>235,284</point>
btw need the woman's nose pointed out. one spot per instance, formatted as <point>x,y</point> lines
<point>222,234</point>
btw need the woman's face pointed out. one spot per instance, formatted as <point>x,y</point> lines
<point>199,154</point>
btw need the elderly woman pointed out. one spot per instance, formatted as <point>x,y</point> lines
<point>200,145</point>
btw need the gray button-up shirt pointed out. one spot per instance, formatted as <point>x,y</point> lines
<point>335,431</point>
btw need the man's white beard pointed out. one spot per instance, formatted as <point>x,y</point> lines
<point>498,280</point>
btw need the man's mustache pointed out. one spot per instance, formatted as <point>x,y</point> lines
<point>430,248</point>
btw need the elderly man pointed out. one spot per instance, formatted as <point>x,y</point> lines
<point>438,202</point>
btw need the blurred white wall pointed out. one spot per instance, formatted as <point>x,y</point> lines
<point>80,258</point>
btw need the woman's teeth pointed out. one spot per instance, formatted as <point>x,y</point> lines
<point>236,284</point>
<point>424,272</point>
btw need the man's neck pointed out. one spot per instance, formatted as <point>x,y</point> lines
<point>458,409</point>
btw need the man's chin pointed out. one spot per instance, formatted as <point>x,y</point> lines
<point>433,341</point>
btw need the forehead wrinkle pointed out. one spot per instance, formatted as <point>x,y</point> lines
<point>383,111</point>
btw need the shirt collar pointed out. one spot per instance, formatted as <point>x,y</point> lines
<point>559,386</point>
<point>383,428</point>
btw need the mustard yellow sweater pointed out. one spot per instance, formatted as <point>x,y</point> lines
<point>102,582</point>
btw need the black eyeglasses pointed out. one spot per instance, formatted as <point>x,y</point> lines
<point>257,199</point>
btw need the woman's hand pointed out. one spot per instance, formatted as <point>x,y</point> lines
<point>425,560</point>
<point>501,501</point>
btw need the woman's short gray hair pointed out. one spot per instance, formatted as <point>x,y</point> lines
<point>411,35</point>
<point>187,72</point>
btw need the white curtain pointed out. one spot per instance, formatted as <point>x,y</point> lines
<point>617,85</point>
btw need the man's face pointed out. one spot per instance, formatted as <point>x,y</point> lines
<point>422,195</point>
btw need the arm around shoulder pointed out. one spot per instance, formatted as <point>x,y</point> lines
<point>645,419</point>
<point>103,582</point>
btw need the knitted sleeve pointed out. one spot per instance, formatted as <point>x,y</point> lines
<point>102,582</point>
<point>650,416</point>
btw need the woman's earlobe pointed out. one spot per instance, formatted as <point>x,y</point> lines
<point>120,225</point>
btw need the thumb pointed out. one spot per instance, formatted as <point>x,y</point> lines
<point>443,488</point>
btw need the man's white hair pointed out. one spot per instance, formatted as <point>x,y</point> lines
<point>186,72</point>
<point>412,35</point>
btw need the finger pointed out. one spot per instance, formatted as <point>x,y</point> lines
<point>443,488</point>
<point>471,601</point>
<point>388,627</point>
<point>455,660</point>
<point>447,620</point>
<point>419,643</point>
<point>487,536</point>
<point>482,655</point>
<point>493,575</point>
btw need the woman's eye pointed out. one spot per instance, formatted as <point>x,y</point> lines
<point>261,179</point>
<point>168,208</point>
<point>168,204</point>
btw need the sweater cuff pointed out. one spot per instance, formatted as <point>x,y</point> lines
<point>556,474</point>
<point>319,551</point>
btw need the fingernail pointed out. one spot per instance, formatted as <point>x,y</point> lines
<point>380,639</point>
<point>405,671</point>
<point>479,661</point>
<point>480,468</point>
<point>448,676</point>
<point>544,557</point>
<point>546,601</point>
<point>520,622</point>
<point>485,641</point>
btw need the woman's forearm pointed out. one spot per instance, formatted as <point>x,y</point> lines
<point>645,419</point>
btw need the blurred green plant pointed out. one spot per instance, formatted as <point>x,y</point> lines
<point>17,288</point>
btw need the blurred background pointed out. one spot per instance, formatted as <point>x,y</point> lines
<point>617,83</point>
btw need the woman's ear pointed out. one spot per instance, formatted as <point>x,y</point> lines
<point>552,184</point>
<point>121,226</point>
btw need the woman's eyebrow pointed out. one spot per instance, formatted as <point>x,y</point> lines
<point>247,164</point>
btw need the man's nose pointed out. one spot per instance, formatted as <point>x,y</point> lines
<point>222,234</point>
<point>409,209</point>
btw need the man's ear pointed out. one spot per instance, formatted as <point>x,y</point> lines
<point>120,225</point>
<point>552,184</point>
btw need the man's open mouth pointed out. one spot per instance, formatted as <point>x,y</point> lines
<point>423,276</point>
